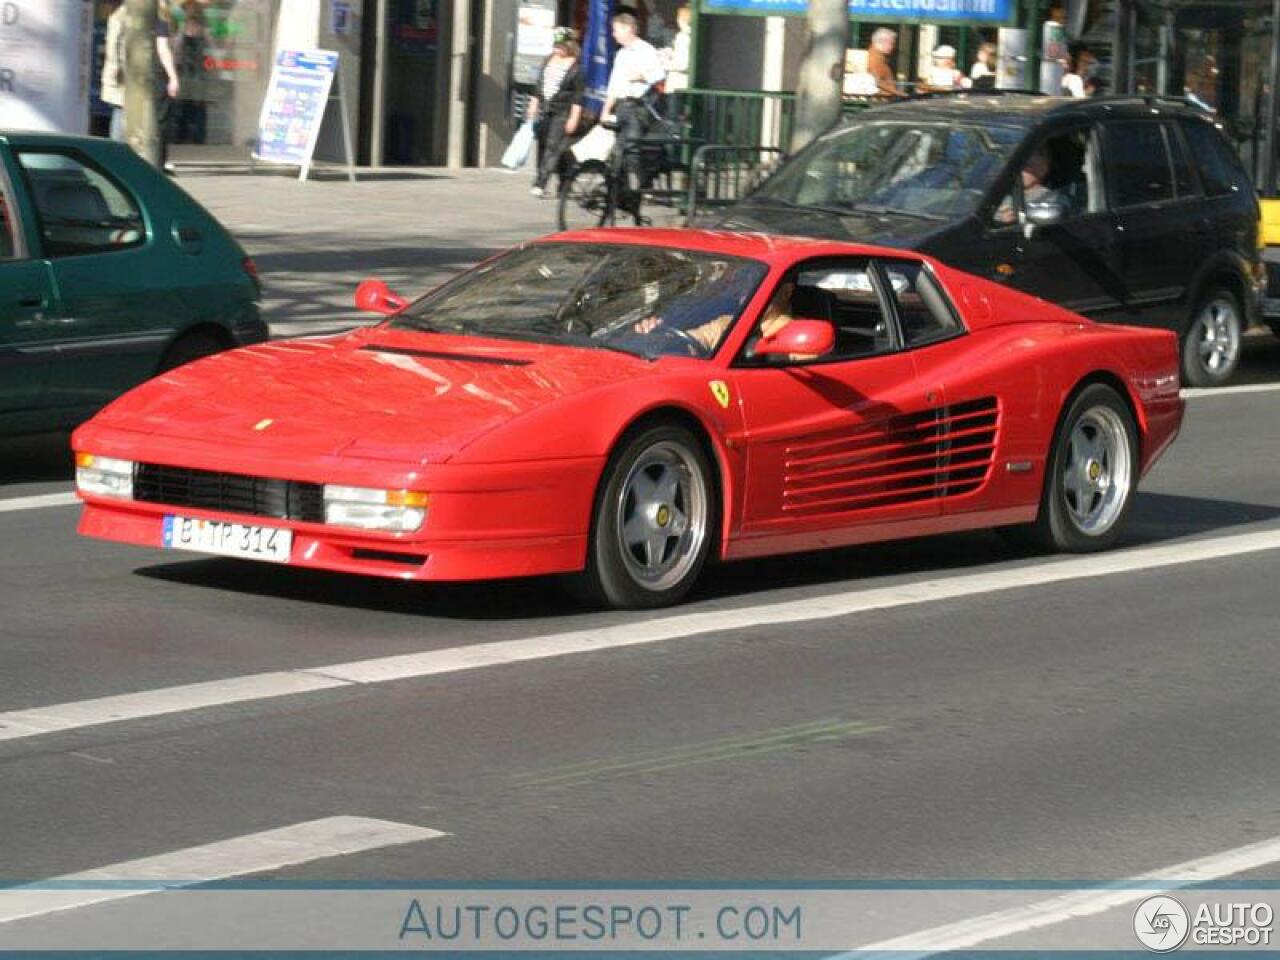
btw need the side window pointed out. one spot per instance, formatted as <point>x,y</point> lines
<point>80,208</point>
<point>923,309</point>
<point>845,294</point>
<point>1184,181</point>
<point>1060,171</point>
<point>1139,164</point>
<point>1217,166</point>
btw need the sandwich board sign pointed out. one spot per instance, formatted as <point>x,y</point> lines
<point>302,86</point>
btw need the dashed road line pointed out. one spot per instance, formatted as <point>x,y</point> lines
<point>236,857</point>
<point>965,934</point>
<point>38,502</point>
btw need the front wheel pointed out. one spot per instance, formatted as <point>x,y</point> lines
<point>1211,347</point>
<point>654,521</point>
<point>586,197</point>
<point>1092,475</point>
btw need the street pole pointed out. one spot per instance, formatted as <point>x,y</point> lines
<point>140,79</point>
<point>821,71</point>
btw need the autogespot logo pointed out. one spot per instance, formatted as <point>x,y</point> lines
<point>1161,923</point>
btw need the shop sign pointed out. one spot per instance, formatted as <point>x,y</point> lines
<point>45,48</point>
<point>929,11</point>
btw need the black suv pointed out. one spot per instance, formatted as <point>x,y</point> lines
<point>1125,209</point>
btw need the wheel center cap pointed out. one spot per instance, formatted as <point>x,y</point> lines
<point>663,515</point>
<point>1095,471</point>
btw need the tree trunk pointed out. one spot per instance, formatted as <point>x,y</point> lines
<point>821,71</point>
<point>140,79</point>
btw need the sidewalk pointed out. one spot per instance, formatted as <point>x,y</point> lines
<point>313,242</point>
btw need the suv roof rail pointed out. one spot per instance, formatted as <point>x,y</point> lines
<point>1150,99</point>
<point>993,92</point>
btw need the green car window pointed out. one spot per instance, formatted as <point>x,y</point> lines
<point>80,208</point>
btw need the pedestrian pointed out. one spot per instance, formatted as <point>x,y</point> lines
<point>983,72</point>
<point>1079,63</point>
<point>167,84</point>
<point>113,70</point>
<point>633,88</point>
<point>881,49</point>
<point>192,41</point>
<point>556,106</point>
<point>943,75</point>
<point>678,52</point>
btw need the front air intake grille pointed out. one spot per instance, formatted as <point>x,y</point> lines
<point>229,492</point>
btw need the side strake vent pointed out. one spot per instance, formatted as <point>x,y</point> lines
<point>441,355</point>
<point>900,459</point>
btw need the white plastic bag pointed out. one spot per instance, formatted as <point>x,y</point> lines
<point>596,145</point>
<point>517,154</point>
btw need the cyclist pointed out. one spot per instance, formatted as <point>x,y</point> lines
<point>637,70</point>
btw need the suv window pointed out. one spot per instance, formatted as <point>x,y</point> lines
<point>1139,164</point>
<point>1184,181</point>
<point>1218,167</point>
<point>923,310</point>
<point>80,208</point>
<point>1061,169</point>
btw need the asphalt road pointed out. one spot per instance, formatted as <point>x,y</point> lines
<point>1095,727</point>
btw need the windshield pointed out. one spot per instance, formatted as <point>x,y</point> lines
<point>933,169</point>
<point>645,300</point>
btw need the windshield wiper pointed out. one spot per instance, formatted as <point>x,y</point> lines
<point>900,211</point>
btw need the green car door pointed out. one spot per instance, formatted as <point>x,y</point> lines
<point>27,311</point>
<point>93,238</point>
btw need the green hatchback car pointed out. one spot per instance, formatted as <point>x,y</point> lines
<point>109,274</point>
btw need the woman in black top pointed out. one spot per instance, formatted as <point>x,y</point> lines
<point>556,106</point>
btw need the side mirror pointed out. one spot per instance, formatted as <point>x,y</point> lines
<point>1045,212</point>
<point>374,296</point>
<point>812,338</point>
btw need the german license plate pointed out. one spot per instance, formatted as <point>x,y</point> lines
<point>228,539</point>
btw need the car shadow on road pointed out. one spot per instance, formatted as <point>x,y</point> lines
<point>40,458</point>
<point>1156,518</point>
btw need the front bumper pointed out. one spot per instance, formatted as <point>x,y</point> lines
<point>349,551</point>
<point>484,521</point>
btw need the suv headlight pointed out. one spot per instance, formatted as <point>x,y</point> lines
<point>104,476</point>
<point>365,508</point>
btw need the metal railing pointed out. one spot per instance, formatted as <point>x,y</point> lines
<point>720,176</point>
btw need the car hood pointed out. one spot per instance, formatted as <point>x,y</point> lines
<point>377,394</point>
<point>885,229</point>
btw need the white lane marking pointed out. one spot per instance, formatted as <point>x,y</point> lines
<point>964,934</point>
<point>38,502</point>
<point>21,724</point>
<point>1192,393</point>
<point>239,856</point>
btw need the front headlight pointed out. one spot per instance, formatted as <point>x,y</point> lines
<point>104,476</point>
<point>365,508</point>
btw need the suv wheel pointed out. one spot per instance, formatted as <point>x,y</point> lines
<point>1211,346</point>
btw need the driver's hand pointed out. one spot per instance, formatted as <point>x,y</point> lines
<point>648,324</point>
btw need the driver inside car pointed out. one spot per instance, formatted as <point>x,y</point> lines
<point>708,333</point>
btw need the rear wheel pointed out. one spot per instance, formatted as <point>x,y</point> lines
<point>654,521</point>
<point>189,347</point>
<point>1092,476</point>
<point>1211,347</point>
<point>586,197</point>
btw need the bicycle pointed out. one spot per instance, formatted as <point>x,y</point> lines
<point>594,191</point>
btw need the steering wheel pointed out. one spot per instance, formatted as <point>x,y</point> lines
<point>688,344</point>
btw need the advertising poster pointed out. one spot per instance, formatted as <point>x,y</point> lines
<point>535,35</point>
<point>45,49</point>
<point>1053,62</point>
<point>294,107</point>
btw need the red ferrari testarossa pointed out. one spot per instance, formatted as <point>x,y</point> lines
<point>627,404</point>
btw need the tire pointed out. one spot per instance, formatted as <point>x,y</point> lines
<point>1091,478</point>
<point>654,522</point>
<point>586,198</point>
<point>190,347</point>
<point>1211,345</point>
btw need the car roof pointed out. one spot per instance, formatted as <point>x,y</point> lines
<point>774,249</point>
<point>1023,109</point>
<point>43,138</point>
